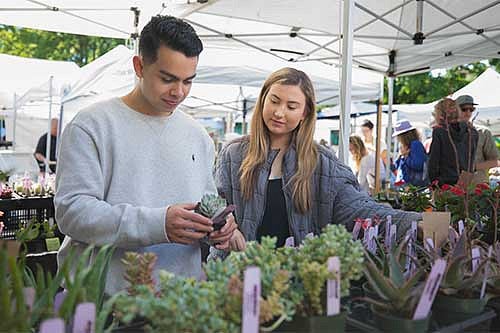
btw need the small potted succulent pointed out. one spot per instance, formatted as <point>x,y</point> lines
<point>309,264</point>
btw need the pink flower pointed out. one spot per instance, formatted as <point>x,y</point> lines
<point>445,187</point>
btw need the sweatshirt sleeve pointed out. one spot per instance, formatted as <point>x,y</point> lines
<point>82,213</point>
<point>417,156</point>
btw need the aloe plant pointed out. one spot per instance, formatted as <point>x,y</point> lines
<point>398,296</point>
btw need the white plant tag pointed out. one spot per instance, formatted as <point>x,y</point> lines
<point>430,290</point>
<point>453,236</point>
<point>409,262</point>
<point>251,300</point>
<point>355,230</point>
<point>476,255</point>
<point>290,242</point>
<point>84,319</point>
<point>414,230</point>
<point>310,235</point>
<point>53,325</point>
<point>29,297</point>
<point>392,238</point>
<point>486,273</point>
<point>460,227</point>
<point>388,226</point>
<point>429,244</point>
<point>333,288</point>
<point>372,245</point>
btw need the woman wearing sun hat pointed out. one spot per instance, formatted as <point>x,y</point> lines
<point>411,163</point>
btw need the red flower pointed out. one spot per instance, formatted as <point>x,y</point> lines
<point>399,183</point>
<point>445,187</point>
<point>457,191</point>
<point>366,224</point>
<point>478,191</point>
<point>483,186</point>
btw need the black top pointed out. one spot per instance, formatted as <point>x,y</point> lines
<point>41,148</point>
<point>275,221</point>
<point>442,159</point>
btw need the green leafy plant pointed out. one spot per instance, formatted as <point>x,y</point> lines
<point>415,198</point>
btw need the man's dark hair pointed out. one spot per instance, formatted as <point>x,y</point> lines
<point>171,32</point>
<point>367,123</point>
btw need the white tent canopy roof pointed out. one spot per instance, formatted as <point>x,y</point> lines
<point>454,31</point>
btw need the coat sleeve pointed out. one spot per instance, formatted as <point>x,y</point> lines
<point>81,211</point>
<point>434,157</point>
<point>417,156</point>
<point>349,203</point>
<point>223,180</point>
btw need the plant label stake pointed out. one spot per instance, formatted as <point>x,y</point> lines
<point>355,230</point>
<point>333,287</point>
<point>388,226</point>
<point>53,325</point>
<point>392,237</point>
<point>290,242</point>
<point>460,227</point>
<point>84,320</point>
<point>410,265</point>
<point>476,254</point>
<point>414,230</point>
<point>58,300</point>
<point>251,300</point>
<point>310,235</point>
<point>453,236</point>
<point>429,244</point>
<point>430,289</point>
<point>29,297</point>
<point>370,239</point>
<point>486,273</point>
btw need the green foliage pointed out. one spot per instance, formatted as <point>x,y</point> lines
<point>385,275</point>
<point>54,45</point>
<point>32,230</point>
<point>139,270</point>
<point>415,199</point>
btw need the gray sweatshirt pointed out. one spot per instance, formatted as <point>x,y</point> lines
<point>118,171</point>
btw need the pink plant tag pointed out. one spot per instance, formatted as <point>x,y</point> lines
<point>53,325</point>
<point>430,289</point>
<point>84,319</point>
<point>486,273</point>
<point>333,288</point>
<point>59,299</point>
<point>460,227</point>
<point>476,255</point>
<point>29,297</point>
<point>290,242</point>
<point>251,300</point>
<point>355,230</point>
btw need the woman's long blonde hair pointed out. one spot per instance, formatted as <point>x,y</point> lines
<point>358,150</point>
<point>302,138</point>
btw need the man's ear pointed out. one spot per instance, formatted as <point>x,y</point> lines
<point>138,65</point>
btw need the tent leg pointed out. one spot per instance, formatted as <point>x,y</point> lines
<point>47,151</point>
<point>345,85</point>
<point>390,86</point>
<point>14,123</point>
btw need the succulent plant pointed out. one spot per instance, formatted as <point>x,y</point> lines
<point>139,270</point>
<point>397,295</point>
<point>210,205</point>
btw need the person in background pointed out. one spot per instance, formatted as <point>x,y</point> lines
<point>369,140</point>
<point>453,146</point>
<point>40,153</point>
<point>132,168</point>
<point>283,183</point>
<point>486,152</point>
<point>364,164</point>
<point>412,159</point>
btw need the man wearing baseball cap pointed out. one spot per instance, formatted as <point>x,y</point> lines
<point>486,152</point>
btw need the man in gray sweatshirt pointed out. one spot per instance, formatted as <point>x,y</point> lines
<point>131,169</point>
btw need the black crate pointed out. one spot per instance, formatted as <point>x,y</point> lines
<point>21,210</point>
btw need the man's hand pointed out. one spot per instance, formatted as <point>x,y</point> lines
<point>237,242</point>
<point>221,237</point>
<point>185,226</point>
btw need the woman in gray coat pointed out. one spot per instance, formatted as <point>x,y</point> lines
<point>284,184</point>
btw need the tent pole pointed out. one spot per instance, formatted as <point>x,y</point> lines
<point>345,85</point>
<point>14,123</point>
<point>390,86</point>
<point>47,151</point>
<point>378,146</point>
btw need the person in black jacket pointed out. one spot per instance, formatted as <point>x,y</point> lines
<point>41,148</point>
<point>453,146</point>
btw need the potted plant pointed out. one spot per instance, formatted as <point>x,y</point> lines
<point>309,264</point>
<point>396,296</point>
<point>415,199</point>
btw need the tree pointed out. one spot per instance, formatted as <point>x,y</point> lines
<point>54,45</point>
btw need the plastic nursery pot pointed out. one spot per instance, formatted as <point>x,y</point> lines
<point>138,326</point>
<point>388,323</point>
<point>317,324</point>
<point>450,310</point>
<point>494,303</point>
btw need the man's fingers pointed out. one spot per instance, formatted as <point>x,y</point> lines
<point>188,215</point>
<point>197,227</point>
<point>190,235</point>
<point>188,206</point>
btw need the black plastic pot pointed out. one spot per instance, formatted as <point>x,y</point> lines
<point>321,324</point>
<point>138,326</point>
<point>449,310</point>
<point>494,303</point>
<point>388,323</point>
<point>36,246</point>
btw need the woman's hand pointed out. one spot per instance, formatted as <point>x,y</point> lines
<point>237,242</point>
